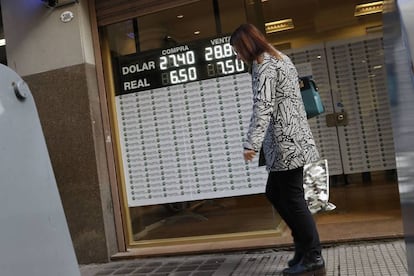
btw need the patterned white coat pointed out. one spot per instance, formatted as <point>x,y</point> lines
<point>278,124</point>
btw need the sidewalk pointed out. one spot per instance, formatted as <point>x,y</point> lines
<point>379,258</point>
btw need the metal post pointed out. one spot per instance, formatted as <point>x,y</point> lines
<point>34,236</point>
<point>399,50</point>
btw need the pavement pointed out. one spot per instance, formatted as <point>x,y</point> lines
<point>375,258</point>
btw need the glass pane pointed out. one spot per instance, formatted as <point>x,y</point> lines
<point>313,24</point>
<point>232,14</point>
<point>171,27</point>
<point>313,21</point>
<point>121,38</point>
<point>206,217</point>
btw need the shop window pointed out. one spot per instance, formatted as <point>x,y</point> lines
<point>179,141</point>
<point>192,179</point>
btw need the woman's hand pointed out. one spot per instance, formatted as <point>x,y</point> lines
<point>248,154</point>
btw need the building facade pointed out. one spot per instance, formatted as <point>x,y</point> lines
<point>144,106</point>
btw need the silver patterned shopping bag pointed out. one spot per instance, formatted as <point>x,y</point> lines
<point>316,186</point>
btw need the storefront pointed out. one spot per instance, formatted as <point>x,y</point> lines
<point>144,108</point>
<point>179,104</point>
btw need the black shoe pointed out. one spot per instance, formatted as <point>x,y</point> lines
<point>312,264</point>
<point>296,259</point>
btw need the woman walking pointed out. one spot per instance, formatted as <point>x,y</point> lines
<point>280,131</point>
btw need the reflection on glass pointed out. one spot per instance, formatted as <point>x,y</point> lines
<point>206,217</point>
<point>202,21</point>
<point>176,26</point>
<point>165,30</point>
<point>121,38</point>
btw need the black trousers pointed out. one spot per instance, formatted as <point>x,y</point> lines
<point>284,189</point>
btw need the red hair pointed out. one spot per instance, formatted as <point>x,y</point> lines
<point>251,43</point>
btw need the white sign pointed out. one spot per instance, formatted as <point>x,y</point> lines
<point>184,142</point>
